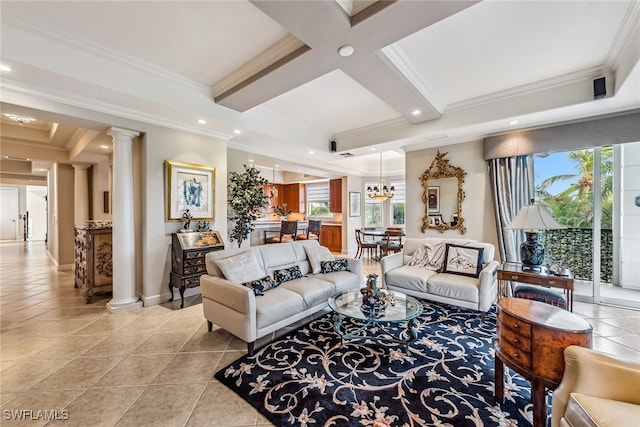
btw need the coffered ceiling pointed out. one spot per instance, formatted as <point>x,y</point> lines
<point>272,70</point>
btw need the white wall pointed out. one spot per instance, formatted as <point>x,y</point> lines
<point>630,216</point>
<point>37,207</point>
<point>160,144</point>
<point>477,207</point>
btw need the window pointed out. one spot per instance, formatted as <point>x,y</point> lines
<point>397,203</point>
<point>372,208</point>
<point>318,199</point>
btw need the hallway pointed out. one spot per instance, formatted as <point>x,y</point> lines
<point>148,366</point>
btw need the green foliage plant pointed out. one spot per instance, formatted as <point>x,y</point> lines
<point>245,198</point>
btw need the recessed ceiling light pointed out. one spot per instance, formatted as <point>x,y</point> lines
<point>298,170</point>
<point>5,68</point>
<point>277,166</point>
<point>416,112</point>
<point>250,160</point>
<point>104,147</point>
<point>373,148</point>
<point>514,122</point>
<point>237,131</point>
<point>345,50</point>
<point>310,151</point>
<point>201,121</point>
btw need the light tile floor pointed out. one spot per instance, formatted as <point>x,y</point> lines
<point>149,366</point>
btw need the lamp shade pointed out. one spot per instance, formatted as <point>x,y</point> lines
<point>534,217</point>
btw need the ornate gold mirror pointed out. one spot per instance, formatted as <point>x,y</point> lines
<point>442,195</point>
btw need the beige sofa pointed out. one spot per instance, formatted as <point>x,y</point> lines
<point>428,282</point>
<point>596,390</point>
<point>238,310</point>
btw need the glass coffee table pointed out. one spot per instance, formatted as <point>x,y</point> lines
<point>349,305</point>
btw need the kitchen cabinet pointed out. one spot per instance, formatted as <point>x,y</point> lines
<point>331,237</point>
<point>335,195</point>
<point>294,196</point>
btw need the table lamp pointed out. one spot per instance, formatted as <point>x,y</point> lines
<point>533,218</point>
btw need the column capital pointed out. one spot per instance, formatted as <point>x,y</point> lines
<point>80,166</point>
<point>119,132</point>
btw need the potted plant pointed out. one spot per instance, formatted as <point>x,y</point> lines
<point>245,199</point>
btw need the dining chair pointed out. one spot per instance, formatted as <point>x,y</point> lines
<point>392,241</point>
<point>312,232</point>
<point>287,233</point>
<point>370,246</point>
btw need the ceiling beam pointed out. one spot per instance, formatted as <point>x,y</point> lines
<point>323,27</point>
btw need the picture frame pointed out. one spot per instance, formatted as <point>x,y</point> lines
<point>189,186</point>
<point>433,199</point>
<point>435,220</point>
<point>355,203</point>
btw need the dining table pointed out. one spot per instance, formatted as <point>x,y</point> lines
<point>377,233</point>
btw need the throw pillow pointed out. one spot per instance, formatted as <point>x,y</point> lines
<point>316,255</point>
<point>463,260</point>
<point>435,255</point>
<point>240,268</point>
<point>286,274</point>
<point>333,266</point>
<point>260,286</point>
<point>419,258</point>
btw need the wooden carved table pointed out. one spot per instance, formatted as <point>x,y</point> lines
<point>531,339</point>
<point>510,272</point>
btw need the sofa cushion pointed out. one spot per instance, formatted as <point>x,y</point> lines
<point>276,305</point>
<point>240,268</point>
<point>312,289</point>
<point>584,410</point>
<point>454,286</point>
<point>260,286</point>
<point>316,255</point>
<point>287,274</point>
<point>412,278</point>
<point>463,260</point>
<point>343,281</point>
<point>333,266</point>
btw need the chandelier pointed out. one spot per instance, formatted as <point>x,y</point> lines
<point>380,192</point>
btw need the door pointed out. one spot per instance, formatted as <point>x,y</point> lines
<point>8,213</point>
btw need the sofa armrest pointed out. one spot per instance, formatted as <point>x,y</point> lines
<point>355,266</point>
<point>488,291</point>
<point>235,296</point>
<point>390,262</point>
<point>595,374</point>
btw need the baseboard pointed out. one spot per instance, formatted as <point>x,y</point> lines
<point>59,267</point>
<point>160,298</point>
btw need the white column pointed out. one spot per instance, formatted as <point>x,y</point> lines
<point>124,254</point>
<point>80,194</point>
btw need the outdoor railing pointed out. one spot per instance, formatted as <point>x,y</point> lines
<point>573,247</point>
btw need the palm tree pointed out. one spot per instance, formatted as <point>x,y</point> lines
<point>574,206</point>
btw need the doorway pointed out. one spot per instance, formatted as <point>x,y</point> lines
<point>9,215</point>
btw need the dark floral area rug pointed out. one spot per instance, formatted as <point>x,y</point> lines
<point>445,378</point>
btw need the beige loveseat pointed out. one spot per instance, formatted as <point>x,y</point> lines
<point>596,390</point>
<point>432,278</point>
<point>238,310</point>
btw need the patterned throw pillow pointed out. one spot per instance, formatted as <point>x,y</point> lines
<point>260,286</point>
<point>463,260</point>
<point>286,274</point>
<point>419,258</point>
<point>333,266</point>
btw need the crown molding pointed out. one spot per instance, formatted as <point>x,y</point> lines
<point>91,104</point>
<point>379,125</point>
<point>101,51</point>
<point>398,58</point>
<point>274,53</point>
<point>624,36</point>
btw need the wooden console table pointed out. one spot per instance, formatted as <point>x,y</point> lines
<point>188,259</point>
<point>510,272</point>
<point>531,339</point>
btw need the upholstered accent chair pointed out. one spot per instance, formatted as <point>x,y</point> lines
<point>597,389</point>
<point>287,233</point>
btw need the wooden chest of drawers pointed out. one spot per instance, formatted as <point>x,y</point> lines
<point>531,338</point>
<point>188,259</point>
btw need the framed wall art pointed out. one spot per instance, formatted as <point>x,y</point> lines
<point>355,203</point>
<point>189,186</point>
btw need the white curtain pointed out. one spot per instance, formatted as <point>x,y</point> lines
<point>512,186</point>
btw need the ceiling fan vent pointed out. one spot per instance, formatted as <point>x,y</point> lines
<point>346,154</point>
